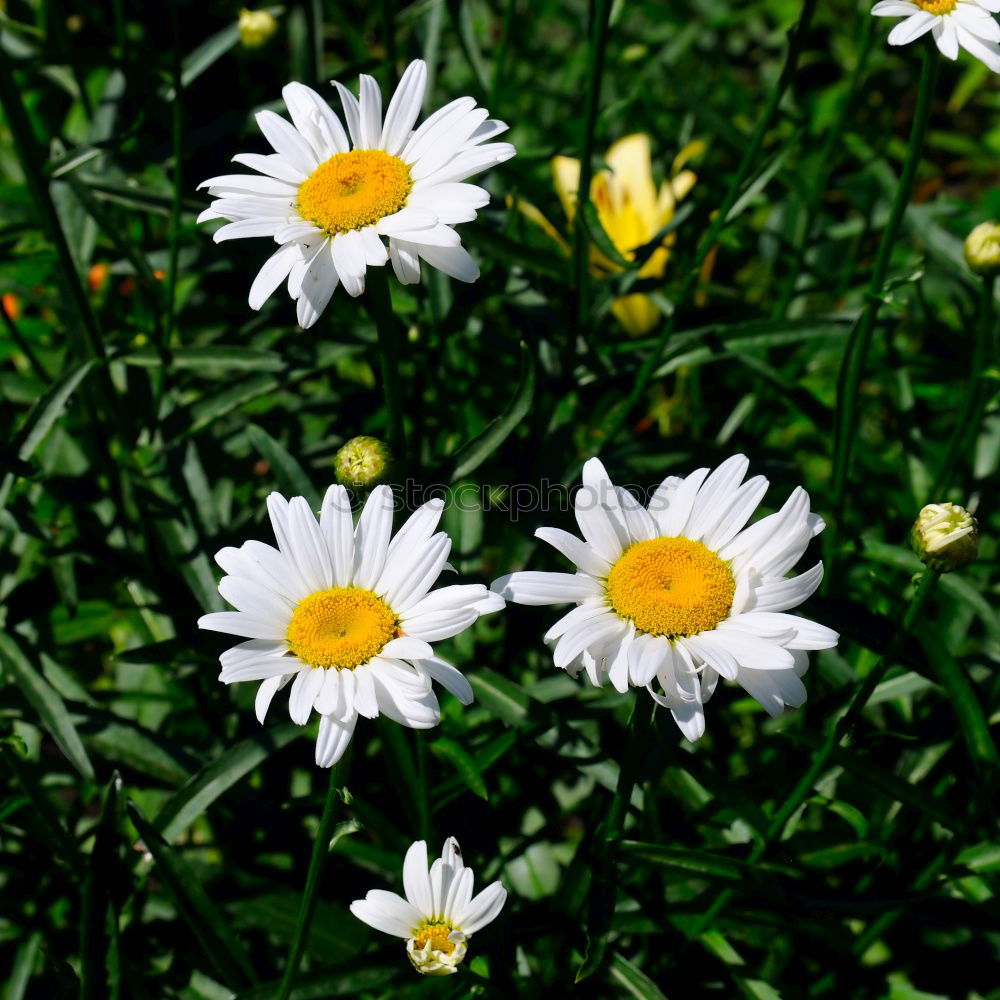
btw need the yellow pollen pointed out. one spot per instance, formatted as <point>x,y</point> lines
<point>436,934</point>
<point>671,587</point>
<point>353,190</point>
<point>343,628</point>
<point>937,6</point>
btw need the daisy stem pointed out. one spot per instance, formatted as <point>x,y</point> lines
<point>842,732</point>
<point>600,12</point>
<point>856,352</point>
<point>617,418</point>
<point>604,879</point>
<point>967,422</point>
<point>321,847</point>
<point>379,301</point>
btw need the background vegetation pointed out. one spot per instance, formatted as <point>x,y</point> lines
<point>154,838</point>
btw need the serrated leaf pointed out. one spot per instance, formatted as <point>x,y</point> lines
<point>463,763</point>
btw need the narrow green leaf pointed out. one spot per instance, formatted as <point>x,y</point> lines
<point>634,982</point>
<point>129,745</point>
<point>98,921</point>
<point>701,863</point>
<point>961,697</point>
<point>463,763</point>
<point>24,966</point>
<point>203,788</point>
<point>207,54</point>
<point>287,470</point>
<point>48,410</point>
<point>212,359</point>
<point>211,930</point>
<point>211,408</point>
<point>600,238</point>
<point>341,982</point>
<point>502,696</point>
<point>473,453</point>
<point>46,702</point>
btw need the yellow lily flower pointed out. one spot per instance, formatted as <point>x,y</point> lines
<point>632,212</point>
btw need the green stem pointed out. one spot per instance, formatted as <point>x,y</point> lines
<point>321,847</point>
<point>974,399</point>
<point>841,732</point>
<point>600,12</point>
<point>604,879</point>
<point>856,352</point>
<point>796,41</point>
<point>379,303</point>
<point>826,162</point>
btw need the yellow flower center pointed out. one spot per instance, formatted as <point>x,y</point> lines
<point>937,6</point>
<point>353,190</point>
<point>436,934</point>
<point>671,587</point>
<point>343,628</point>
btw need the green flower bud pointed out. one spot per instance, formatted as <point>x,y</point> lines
<point>256,27</point>
<point>945,536</point>
<point>982,249</point>
<point>363,462</point>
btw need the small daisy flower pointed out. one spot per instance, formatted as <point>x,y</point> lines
<point>439,913</point>
<point>346,615</point>
<point>331,198</point>
<point>954,24</point>
<point>681,592</point>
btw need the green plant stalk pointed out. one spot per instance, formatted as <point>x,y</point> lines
<point>33,164</point>
<point>177,151</point>
<point>796,39</point>
<point>827,160</point>
<point>969,418</point>
<point>841,732</point>
<point>321,847</point>
<point>389,34</point>
<point>499,64</point>
<point>856,352</point>
<point>604,880</point>
<point>600,12</point>
<point>379,302</point>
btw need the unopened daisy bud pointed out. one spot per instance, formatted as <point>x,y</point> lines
<point>256,27</point>
<point>982,249</point>
<point>363,462</point>
<point>945,536</point>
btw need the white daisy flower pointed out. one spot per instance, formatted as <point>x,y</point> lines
<point>681,593</point>
<point>331,197</point>
<point>954,24</point>
<point>439,913</point>
<point>345,613</point>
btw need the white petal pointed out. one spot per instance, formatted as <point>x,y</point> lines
<point>364,692</point>
<point>773,689</point>
<point>265,693</point>
<point>531,587</point>
<point>318,284</point>
<point>407,648</point>
<point>352,113</point>
<point>416,881</point>
<point>912,28</point>
<point>455,261</point>
<point>482,909</point>
<point>575,550</point>
<point>371,537</point>
<point>387,912</point>
<point>337,526</point>
<point>305,687</point>
<point>370,113</point>
<point>404,108</point>
<point>672,503</point>
<point>405,263</point>
<point>287,142</point>
<point>273,273</point>
<point>273,165</point>
<point>448,676</point>
<point>237,623</point>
